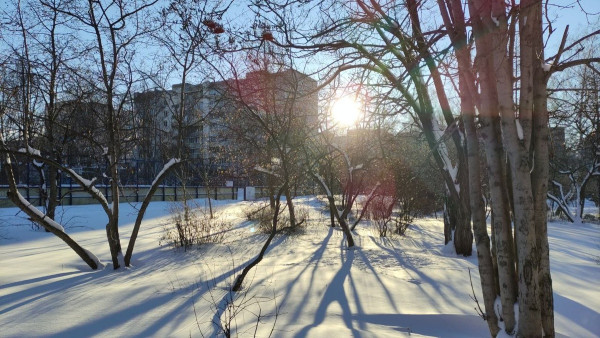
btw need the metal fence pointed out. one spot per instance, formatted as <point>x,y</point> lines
<point>72,195</point>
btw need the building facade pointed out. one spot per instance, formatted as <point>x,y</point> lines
<point>201,123</point>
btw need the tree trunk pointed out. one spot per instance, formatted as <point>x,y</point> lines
<point>540,175</point>
<point>459,208</point>
<point>290,205</point>
<point>53,178</point>
<point>518,156</point>
<point>142,212</point>
<point>237,286</point>
<point>112,228</point>
<point>332,212</point>
<point>487,271</point>
<point>45,222</point>
<point>449,219</point>
<point>491,135</point>
<point>343,223</point>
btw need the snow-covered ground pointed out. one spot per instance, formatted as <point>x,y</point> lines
<point>308,285</point>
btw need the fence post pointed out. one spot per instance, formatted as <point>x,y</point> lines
<point>216,193</point>
<point>175,192</point>
<point>70,191</point>
<point>60,191</point>
<point>245,193</point>
<point>163,192</point>
<point>233,197</point>
<point>197,192</point>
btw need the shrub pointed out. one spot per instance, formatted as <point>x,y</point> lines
<point>191,226</point>
<point>263,215</point>
<point>385,221</point>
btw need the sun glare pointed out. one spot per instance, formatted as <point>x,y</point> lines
<point>345,111</point>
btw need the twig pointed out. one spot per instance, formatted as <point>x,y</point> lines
<point>474,297</point>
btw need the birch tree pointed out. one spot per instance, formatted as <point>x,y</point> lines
<point>515,127</point>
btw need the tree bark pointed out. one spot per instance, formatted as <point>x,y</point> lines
<point>491,134</point>
<point>518,156</point>
<point>540,173</point>
<point>142,212</point>
<point>487,272</point>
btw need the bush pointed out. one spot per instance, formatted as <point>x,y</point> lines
<point>385,221</point>
<point>191,226</point>
<point>263,215</point>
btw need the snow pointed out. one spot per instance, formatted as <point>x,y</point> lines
<point>166,167</point>
<point>30,150</point>
<point>356,167</point>
<point>443,151</point>
<point>87,183</point>
<point>496,21</point>
<point>394,287</point>
<point>519,129</point>
<point>324,184</point>
<point>95,259</point>
<point>266,171</point>
<point>546,66</point>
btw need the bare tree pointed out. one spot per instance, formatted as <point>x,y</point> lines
<point>576,163</point>
<point>375,37</point>
<point>114,34</point>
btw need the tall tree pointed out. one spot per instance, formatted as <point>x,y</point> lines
<point>375,36</point>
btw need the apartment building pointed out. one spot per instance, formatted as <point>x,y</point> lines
<point>201,125</point>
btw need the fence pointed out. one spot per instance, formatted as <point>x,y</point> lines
<point>71,195</point>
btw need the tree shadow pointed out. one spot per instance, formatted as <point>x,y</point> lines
<point>335,293</point>
<point>221,306</point>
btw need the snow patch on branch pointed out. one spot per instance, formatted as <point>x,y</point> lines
<point>266,171</point>
<point>30,151</point>
<point>327,191</point>
<point>322,181</point>
<point>519,129</point>
<point>356,167</point>
<point>496,21</point>
<point>38,213</point>
<point>89,184</point>
<point>373,191</point>
<point>94,258</point>
<point>547,66</point>
<point>166,167</point>
<point>443,151</point>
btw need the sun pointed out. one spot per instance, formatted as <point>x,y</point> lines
<point>345,111</point>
